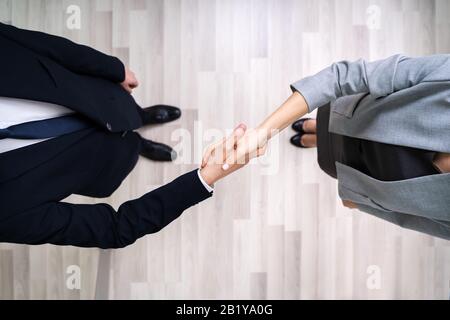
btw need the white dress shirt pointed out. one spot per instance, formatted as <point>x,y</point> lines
<point>16,111</point>
<point>207,186</point>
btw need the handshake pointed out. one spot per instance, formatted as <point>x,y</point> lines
<point>232,153</point>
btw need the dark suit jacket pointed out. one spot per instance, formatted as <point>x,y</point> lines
<point>47,68</point>
<point>92,162</point>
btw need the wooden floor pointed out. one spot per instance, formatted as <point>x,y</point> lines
<point>281,235</point>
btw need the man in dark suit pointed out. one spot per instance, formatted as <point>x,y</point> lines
<point>66,127</point>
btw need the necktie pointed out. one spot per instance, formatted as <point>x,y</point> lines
<point>44,129</point>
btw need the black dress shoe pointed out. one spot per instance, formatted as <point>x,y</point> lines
<point>160,114</point>
<point>157,151</point>
<point>297,141</point>
<point>298,125</point>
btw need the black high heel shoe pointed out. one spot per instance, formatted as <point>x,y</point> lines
<point>298,125</point>
<point>297,141</point>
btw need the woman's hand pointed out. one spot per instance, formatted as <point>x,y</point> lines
<point>349,204</point>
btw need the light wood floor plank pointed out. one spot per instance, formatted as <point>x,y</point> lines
<point>275,230</point>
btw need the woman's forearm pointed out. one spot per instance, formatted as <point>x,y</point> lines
<point>254,142</point>
<point>294,108</point>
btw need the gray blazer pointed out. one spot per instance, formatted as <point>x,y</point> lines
<point>400,101</point>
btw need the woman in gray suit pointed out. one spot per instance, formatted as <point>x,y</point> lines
<point>383,130</point>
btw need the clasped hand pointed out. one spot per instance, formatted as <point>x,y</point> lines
<point>230,154</point>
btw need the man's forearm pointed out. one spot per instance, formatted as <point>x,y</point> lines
<point>100,225</point>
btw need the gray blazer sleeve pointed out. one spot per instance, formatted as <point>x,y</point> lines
<point>433,227</point>
<point>379,78</point>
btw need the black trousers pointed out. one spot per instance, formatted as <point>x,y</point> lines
<point>381,161</point>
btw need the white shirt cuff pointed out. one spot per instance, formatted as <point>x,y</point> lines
<point>207,186</point>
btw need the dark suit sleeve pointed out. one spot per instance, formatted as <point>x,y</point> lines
<point>100,225</point>
<point>75,57</point>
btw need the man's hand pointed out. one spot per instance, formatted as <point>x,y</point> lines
<point>130,81</point>
<point>211,169</point>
